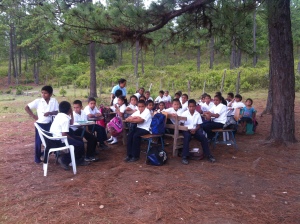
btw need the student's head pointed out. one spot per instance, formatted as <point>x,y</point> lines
<point>122,83</point>
<point>122,100</point>
<point>150,104</point>
<point>230,96</point>
<point>218,94</point>
<point>249,102</point>
<point>179,92</point>
<point>238,98</point>
<point>161,93</point>
<point>177,96</point>
<point>203,97</point>
<point>217,100</point>
<point>64,107</point>
<point>142,98</point>
<point>92,102</point>
<point>118,93</point>
<point>192,105</point>
<point>207,98</point>
<point>77,106</point>
<point>184,98</point>
<point>166,93</point>
<point>161,106</point>
<point>141,91</point>
<point>147,94</point>
<point>141,105</point>
<point>47,92</point>
<point>133,100</point>
<point>176,104</point>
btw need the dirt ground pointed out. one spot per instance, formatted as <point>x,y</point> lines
<point>258,183</point>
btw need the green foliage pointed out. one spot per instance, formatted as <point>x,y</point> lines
<point>62,92</point>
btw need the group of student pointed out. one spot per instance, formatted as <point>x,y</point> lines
<point>139,112</point>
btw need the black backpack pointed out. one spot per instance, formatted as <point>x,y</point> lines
<point>156,156</point>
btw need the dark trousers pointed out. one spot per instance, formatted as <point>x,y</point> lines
<point>91,141</point>
<point>210,125</point>
<point>38,142</point>
<point>134,142</point>
<point>200,137</point>
<point>101,133</point>
<point>78,149</point>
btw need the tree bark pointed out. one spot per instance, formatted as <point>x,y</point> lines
<point>198,55</point>
<point>212,52</point>
<point>142,62</point>
<point>268,109</point>
<point>120,53</point>
<point>93,81</point>
<point>254,39</point>
<point>136,63</point>
<point>281,71</point>
<point>233,54</point>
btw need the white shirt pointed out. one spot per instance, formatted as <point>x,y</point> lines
<point>137,95</point>
<point>168,98</point>
<point>115,101</point>
<point>150,98</point>
<point>146,116</point>
<point>79,117</point>
<point>60,124</point>
<point>221,110</point>
<point>160,99</point>
<point>205,107</point>
<point>184,106</point>
<point>172,111</point>
<point>88,110</point>
<point>235,105</point>
<point>192,120</point>
<point>43,107</point>
<point>132,107</point>
<point>121,108</point>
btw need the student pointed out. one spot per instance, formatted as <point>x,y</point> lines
<point>150,106</point>
<point>121,86</point>
<point>177,96</point>
<point>92,112</point>
<point>248,116</point>
<point>132,107</point>
<point>143,119</point>
<point>143,98</point>
<point>235,103</point>
<point>218,114</point>
<point>140,92</point>
<point>115,101</point>
<point>167,96</point>
<point>207,104</point>
<point>60,127</point>
<point>184,102</point>
<point>223,101</point>
<point>175,110</point>
<point>202,99</point>
<point>161,107</point>
<point>230,97</point>
<point>45,107</point>
<point>193,123</point>
<point>180,95</point>
<point>161,97</point>
<point>79,115</point>
<point>120,110</point>
<point>147,96</point>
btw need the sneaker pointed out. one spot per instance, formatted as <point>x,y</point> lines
<point>110,140</point>
<point>113,142</point>
<point>62,164</point>
<point>127,159</point>
<point>184,161</point>
<point>211,158</point>
<point>83,163</point>
<point>91,159</point>
<point>133,159</point>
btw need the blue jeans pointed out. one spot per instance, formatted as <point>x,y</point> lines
<point>209,126</point>
<point>134,142</point>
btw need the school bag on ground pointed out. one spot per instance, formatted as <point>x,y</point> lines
<point>158,124</point>
<point>156,156</point>
<point>115,126</point>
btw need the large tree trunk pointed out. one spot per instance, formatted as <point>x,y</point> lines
<point>281,71</point>
<point>136,63</point>
<point>198,55</point>
<point>233,54</point>
<point>93,81</point>
<point>254,39</point>
<point>142,61</point>
<point>212,52</point>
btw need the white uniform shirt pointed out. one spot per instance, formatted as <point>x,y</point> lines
<point>160,99</point>
<point>146,116</point>
<point>43,107</point>
<point>205,107</point>
<point>184,106</point>
<point>192,120</point>
<point>235,105</point>
<point>172,111</point>
<point>137,95</point>
<point>88,110</point>
<point>168,98</point>
<point>60,124</point>
<point>132,107</point>
<point>79,117</point>
<point>221,110</point>
<point>150,98</point>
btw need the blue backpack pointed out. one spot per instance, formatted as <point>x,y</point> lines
<point>158,124</point>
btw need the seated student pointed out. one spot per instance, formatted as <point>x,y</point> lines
<point>92,112</point>
<point>193,123</point>
<point>45,107</point>
<point>161,107</point>
<point>147,96</point>
<point>150,106</point>
<point>115,101</point>
<point>120,110</point>
<point>142,98</point>
<point>223,101</point>
<point>207,104</point>
<point>248,116</point>
<point>132,107</point>
<point>79,115</point>
<point>167,96</point>
<point>140,92</point>
<point>175,110</point>
<point>218,114</point>
<point>177,96</point>
<point>202,99</point>
<point>235,103</point>
<point>180,95</point>
<point>229,98</point>
<point>161,97</point>
<point>184,102</point>
<point>60,127</point>
<point>143,119</point>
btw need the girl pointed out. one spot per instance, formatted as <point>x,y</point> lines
<point>161,107</point>
<point>248,117</point>
<point>184,102</point>
<point>132,107</point>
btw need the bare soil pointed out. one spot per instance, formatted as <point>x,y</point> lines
<point>258,183</point>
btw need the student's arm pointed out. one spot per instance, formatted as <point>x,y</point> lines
<point>72,117</point>
<point>50,113</point>
<point>193,131</point>
<point>31,114</point>
<point>135,119</point>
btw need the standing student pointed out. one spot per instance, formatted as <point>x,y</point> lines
<point>92,112</point>
<point>121,86</point>
<point>45,107</point>
<point>143,119</point>
<point>193,123</point>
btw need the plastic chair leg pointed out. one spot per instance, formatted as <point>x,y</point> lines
<point>45,167</point>
<point>73,159</point>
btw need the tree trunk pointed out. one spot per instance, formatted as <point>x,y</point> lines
<point>154,55</point>
<point>281,71</point>
<point>120,53</point>
<point>93,81</point>
<point>142,62</point>
<point>20,61</point>
<point>212,52</point>
<point>254,39</point>
<point>268,109</point>
<point>233,54</point>
<point>136,64</point>
<point>198,55</point>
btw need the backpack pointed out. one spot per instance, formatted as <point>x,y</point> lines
<point>158,124</point>
<point>156,156</point>
<point>115,126</point>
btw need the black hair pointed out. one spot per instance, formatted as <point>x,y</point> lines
<point>133,96</point>
<point>219,97</point>
<point>142,102</point>
<point>149,101</point>
<point>238,96</point>
<point>78,102</point>
<point>142,88</point>
<point>64,107</point>
<point>230,94</point>
<point>147,92</point>
<point>179,92</point>
<point>48,89</point>
<point>185,95</point>
<point>142,97</point>
<point>91,99</point>
<point>123,98</point>
<point>250,100</point>
<point>118,93</point>
<point>162,92</point>
<point>162,103</point>
<point>175,100</point>
<point>121,81</point>
<point>203,95</point>
<point>192,101</point>
<point>218,94</point>
<point>207,95</point>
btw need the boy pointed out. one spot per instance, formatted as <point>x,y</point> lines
<point>161,97</point>
<point>45,107</point>
<point>207,104</point>
<point>193,123</point>
<point>202,99</point>
<point>142,117</point>
<point>184,102</point>
<point>235,103</point>
<point>167,96</point>
<point>79,115</point>
<point>147,96</point>
<point>229,98</point>
<point>92,112</point>
<point>60,127</point>
<point>150,106</point>
<point>140,93</point>
<point>175,110</point>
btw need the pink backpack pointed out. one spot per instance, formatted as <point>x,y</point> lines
<point>115,126</point>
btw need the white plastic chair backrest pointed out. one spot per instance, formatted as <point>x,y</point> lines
<point>41,134</point>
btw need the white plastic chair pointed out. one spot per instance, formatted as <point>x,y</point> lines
<point>68,147</point>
